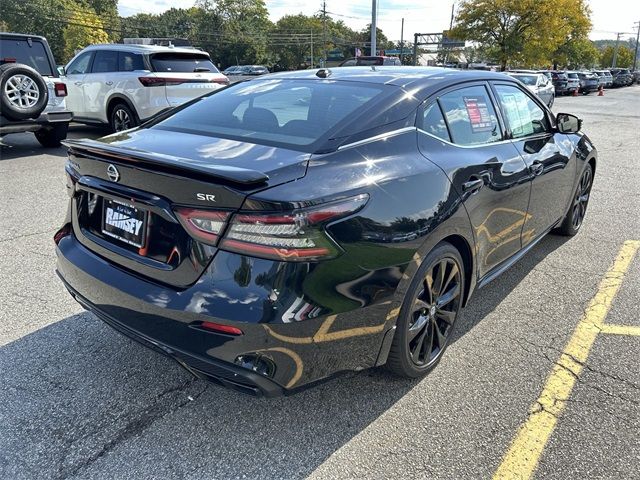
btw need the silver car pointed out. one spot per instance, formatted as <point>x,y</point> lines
<point>539,84</point>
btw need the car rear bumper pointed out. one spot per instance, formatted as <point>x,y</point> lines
<point>225,374</point>
<point>33,125</point>
<point>166,320</point>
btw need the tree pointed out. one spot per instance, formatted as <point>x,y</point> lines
<point>382,42</point>
<point>291,50</point>
<point>624,58</point>
<point>84,28</point>
<point>523,32</point>
<point>576,49</point>
<point>243,38</point>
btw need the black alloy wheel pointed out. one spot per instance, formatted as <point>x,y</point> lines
<point>428,313</point>
<point>122,118</point>
<point>575,216</point>
<point>581,199</point>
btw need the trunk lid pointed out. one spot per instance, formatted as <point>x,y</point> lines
<point>136,180</point>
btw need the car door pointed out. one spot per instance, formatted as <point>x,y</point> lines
<point>460,131</point>
<point>547,154</point>
<point>99,83</point>
<point>75,73</point>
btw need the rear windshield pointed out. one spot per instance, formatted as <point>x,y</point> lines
<point>182,63</point>
<point>572,75</point>
<point>290,113</point>
<point>527,79</point>
<point>19,51</point>
<point>365,62</point>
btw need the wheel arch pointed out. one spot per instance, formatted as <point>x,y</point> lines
<point>464,248</point>
<point>116,98</point>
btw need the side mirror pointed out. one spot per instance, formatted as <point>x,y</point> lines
<point>61,70</point>
<point>568,123</point>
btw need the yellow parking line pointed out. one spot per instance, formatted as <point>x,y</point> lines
<point>523,455</point>
<point>620,329</point>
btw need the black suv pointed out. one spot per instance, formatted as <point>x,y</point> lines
<point>560,82</point>
<point>32,99</point>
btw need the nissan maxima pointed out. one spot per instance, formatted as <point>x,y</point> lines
<point>279,231</point>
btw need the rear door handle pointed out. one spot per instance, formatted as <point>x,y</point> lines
<point>78,83</point>
<point>537,168</point>
<point>473,185</point>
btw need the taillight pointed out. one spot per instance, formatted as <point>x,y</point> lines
<point>168,81</point>
<point>63,232</point>
<point>295,236</point>
<point>203,225</point>
<point>60,89</point>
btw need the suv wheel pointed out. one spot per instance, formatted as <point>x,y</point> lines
<point>428,313</point>
<point>50,137</point>
<point>23,92</point>
<point>122,118</point>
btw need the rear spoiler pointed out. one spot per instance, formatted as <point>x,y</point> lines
<point>172,164</point>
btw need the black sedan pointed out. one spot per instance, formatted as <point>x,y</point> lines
<point>276,232</point>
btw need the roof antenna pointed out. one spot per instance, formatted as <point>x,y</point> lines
<point>323,73</point>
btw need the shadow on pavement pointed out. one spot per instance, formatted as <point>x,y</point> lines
<point>79,399</point>
<point>18,145</point>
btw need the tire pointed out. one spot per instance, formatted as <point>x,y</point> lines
<point>23,92</point>
<point>574,217</point>
<point>50,137</point>
<point>122,118</point>
<point>413,351</point>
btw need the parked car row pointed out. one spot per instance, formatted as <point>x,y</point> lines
<point>548,84</point>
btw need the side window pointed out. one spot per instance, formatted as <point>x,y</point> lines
<point>80,65</point>
<point>433,122</point>
<point>128,62</point>
<point>105,61</point>
<point>522,114</point>
<point>471,117</point>
<point>349,63</point>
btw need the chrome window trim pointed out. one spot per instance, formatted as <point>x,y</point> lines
<point>375,138</point>
<point>480,145</point>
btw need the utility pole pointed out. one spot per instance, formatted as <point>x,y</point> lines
<point>313,64</point>
<point>635,55</point>
<point>615,52</point>
<point>324,33</point>
<point>402,40</point>
<point>415,49</point>
<point>373,27</point>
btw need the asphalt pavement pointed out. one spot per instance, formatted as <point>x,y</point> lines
<point>78,400</point>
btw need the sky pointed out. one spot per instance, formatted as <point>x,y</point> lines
<point>608,16</point>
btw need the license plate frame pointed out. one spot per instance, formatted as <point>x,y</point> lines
<point>125,227</point>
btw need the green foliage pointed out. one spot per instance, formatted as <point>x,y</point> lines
<point>524,32</point>
<point>291,51</point>
<point>624,58</point>
<point>84,28</point>
<point>232,31</point>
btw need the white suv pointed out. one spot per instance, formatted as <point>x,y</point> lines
<point>123,85</point>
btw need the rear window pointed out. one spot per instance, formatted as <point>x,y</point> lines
<point>292,113</point>
<point>365,62</point>
<point>28,53</point>
<point>182,63</point>
<point>527,79</point>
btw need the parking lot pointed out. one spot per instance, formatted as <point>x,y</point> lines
<point>542,375</point>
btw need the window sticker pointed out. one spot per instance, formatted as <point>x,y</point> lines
<point>518,113</point>
<point>479,115</point>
